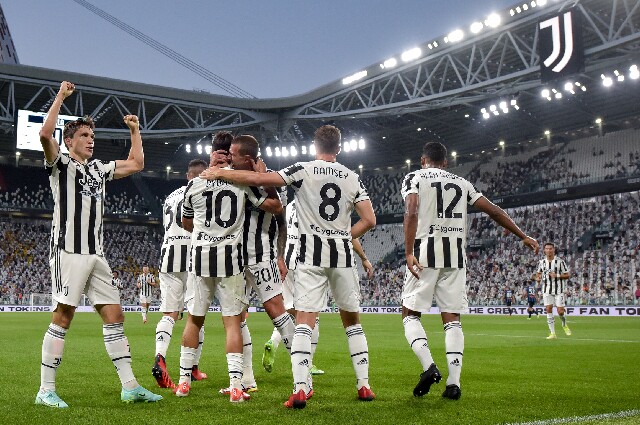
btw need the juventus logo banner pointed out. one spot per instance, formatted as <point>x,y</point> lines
<point>560,46</point>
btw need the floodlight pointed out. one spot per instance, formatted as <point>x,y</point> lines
<point>354,144</point>
<point>361,144</point>
<point>389,63</point>
<point>269,153</point>
<point>454,154</point>
<point>533,3</point>
<point>435,44</point>
<point>354,77</point>
<point>503,105</point>
<point>568,86</point>
<point>558,95</point>
<point>525,6</point>
<point>277,151</point>
<point>346,146</point>
<point>411,54</point>
<point>501,143</point>
<point>483,110</point>
<point>486,115</point>
<point>199,149</point>
<point>360,166</point>
<point>285,151</point>
<point>518,10</point>
<point>294,151</point>
<point>634,74</point>
<point>512,12</point>
<point>493,20</point>
<point>584,88</point>
<point>620,78</point>
<point>304,150</point>
<point>514,102</point>
<point>492,108</point>
<point>598,120</point>
<point>430,46</point>
<point>168,168</point>
<point>187,148</point>
<point>496,113</point>
<point>547,132</point>
<point>542,2</point>
<point>456,35</point>
<point>208,149</point>
<point>607,82</point>
<point>312,149</point>
<point>408,161</point>
<point>476,27</point>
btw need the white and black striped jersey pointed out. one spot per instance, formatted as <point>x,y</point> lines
<point>291,250</point>
<point>78,194</point>
<point>325,195</point>
<point>116,282</point>
<point>218,210</point>
<point>550,285</point>
<point>259,236</point>
<point>145,280</point>
<point>174,256</point>
<point>441,236</point>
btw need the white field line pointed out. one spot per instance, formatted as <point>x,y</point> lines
<point>559,338</point>
<point>578,419</point>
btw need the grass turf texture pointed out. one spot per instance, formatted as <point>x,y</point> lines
<point>511,373</point>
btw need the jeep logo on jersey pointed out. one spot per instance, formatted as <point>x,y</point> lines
<point>560,46</point>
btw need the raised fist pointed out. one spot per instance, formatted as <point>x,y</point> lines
<point>132,122</point>
<point>66,89</point>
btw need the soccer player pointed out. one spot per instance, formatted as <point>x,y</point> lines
<point>173,276</point>
<point>145,283</point>
<point>553,272</point>
<point>532,299</point>
<point>509,298</point>
<point>435,227</point>
<point>77,258</point>
<point>326,193</point>
<point>116,281</point>
<point>215,211</point>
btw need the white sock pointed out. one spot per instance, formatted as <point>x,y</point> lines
<point>275,338</point>
<point>52,348</point>
<point>247,355</point>
<point>417,339</point>
<point>300,357</point>
<point>551,321</point>
<point>315,335</point>
<point>234,366</point>
<point>286,327</point>
<point>163,335</point>
<point>187,360</point>
<point>564,320</point>
<point>117,347</point>
<point>359,354</point>
<point>454,344</point>
<point>196,361</point>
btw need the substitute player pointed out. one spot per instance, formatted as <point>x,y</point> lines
<point>173,276</point>
<point>145,284</point>
<point>435,228</point>
<point>77,258</point>
<point>326,193</point>
<point>214,211</point>
<point>553,272</point>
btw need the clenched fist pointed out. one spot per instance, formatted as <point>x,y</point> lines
<point>66,89</point>
<point>132,122</point>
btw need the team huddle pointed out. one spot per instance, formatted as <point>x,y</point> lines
<point>229,232</point>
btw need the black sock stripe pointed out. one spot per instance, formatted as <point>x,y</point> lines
<point>300,352</point>
<point>165,332</point>
<point>247,345</point>
<point>357,354</point>
<point>454,352</point>
<point>120,358</point>
<point>417,339</point>
<point>185,368</point>
<point>50,367</point>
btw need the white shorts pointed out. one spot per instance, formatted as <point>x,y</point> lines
<point>230,292</point>
<point>288,289</point>
<point>264,278</point>
<point>313,283</point>
<point>448,286</point>
<point>173,287</point>
<point>550,299</point>
<point>144,299</point>
<point>75,274</point>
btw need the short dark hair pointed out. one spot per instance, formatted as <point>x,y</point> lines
<point>248,145</point>
<point>550,244</point>
<point>198,163</point>
<point>116,272</point>
<point>327,139</point>
<point>70,127</point>
<point>435,152</point>
<point>221,141</point>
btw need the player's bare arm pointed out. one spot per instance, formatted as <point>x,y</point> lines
<point>282,244</point>
<point>410,224</point>
<point>49,143</point>
<point>135,162</point>
<point>367,221</point>
<point>243,177</point>
<point>366,264</point>
<point>272,205</point>
<point>187,224</point>
<point>498,215</point>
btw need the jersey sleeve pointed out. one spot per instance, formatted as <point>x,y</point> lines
<point>109,169</point>
<point>409,185</point>
<point>293,175</point>
<point>563,267</point>
<point>60,157</point>
<point>187,205</point>
<point>361,194</point>
<point>256,195</point>
<point>473,194</point>
<point>539,269</point>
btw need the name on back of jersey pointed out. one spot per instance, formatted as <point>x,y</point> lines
<point>330,171</point>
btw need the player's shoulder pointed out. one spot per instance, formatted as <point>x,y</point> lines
<point>179,192</point>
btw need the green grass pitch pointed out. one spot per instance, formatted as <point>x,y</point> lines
<point>511,374</point>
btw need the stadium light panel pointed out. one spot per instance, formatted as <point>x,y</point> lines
<point>435,44</point>
<point>493,20</point>
<point>354,144</point>
<point>516,107</point>
<point>492,108</point>
<point>277,151</point>
<point>514,102</point>
<point>542,2</point>
<point>525,6</point>
<point>411,54</point>
<point>483,110</point>
<point>496,113</point>
<point>503,105</point>
<point>389,63</point>
<point>456,35</point>
<point>269,152</point>
<point>285,151</point>
<point>361,144</point>
<point>476,27</point>
<point>294,151</point>
<point>346,147</point>
<point>547,132</point>
<point>512,12</point>
<point>501,143</point>
<point>518,10</point>
<point>168,168</point>
<point>454,154</point>
<point>303,150</point>
<point>621,78</point>
<point>187,148</point>
<point>486,115</point>
<point>430,46</point>
<point>607,82</point>
<point>408,161</point>
<point>583,88</point>
<point>208,149</point>
<point>312,149</point>
<point>598,120</point>
<point>354,77</point>
<point>533,3</point>
<point>360,167</point>
<point>558,95</point>
<point>634,74</point>
<point>568,86</point>
<point>505,111</point>
<point>199,149</point>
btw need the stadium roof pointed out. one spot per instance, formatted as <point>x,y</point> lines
<point>438,95</point>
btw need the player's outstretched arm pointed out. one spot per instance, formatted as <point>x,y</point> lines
<point>272,205</point>
<point>243,177</point>
<point>135,162</point>
<point>366,264</point>
<point>410,224</point>
<point>498,215</point>
<point>49,143</point>
<point>367,221</point>
<point>282,244</point>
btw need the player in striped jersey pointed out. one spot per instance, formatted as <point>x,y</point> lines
<point>259,253</point>
<point>552,272</point>
<point>509,298</point>
<point>116,281</point>
<point>145,283</point>
<point>214,212</point>
<point>326,193</point>
<point>173,276</point>
<point>532,299</point>
<point>77,259</point>
<point>435,227</point>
